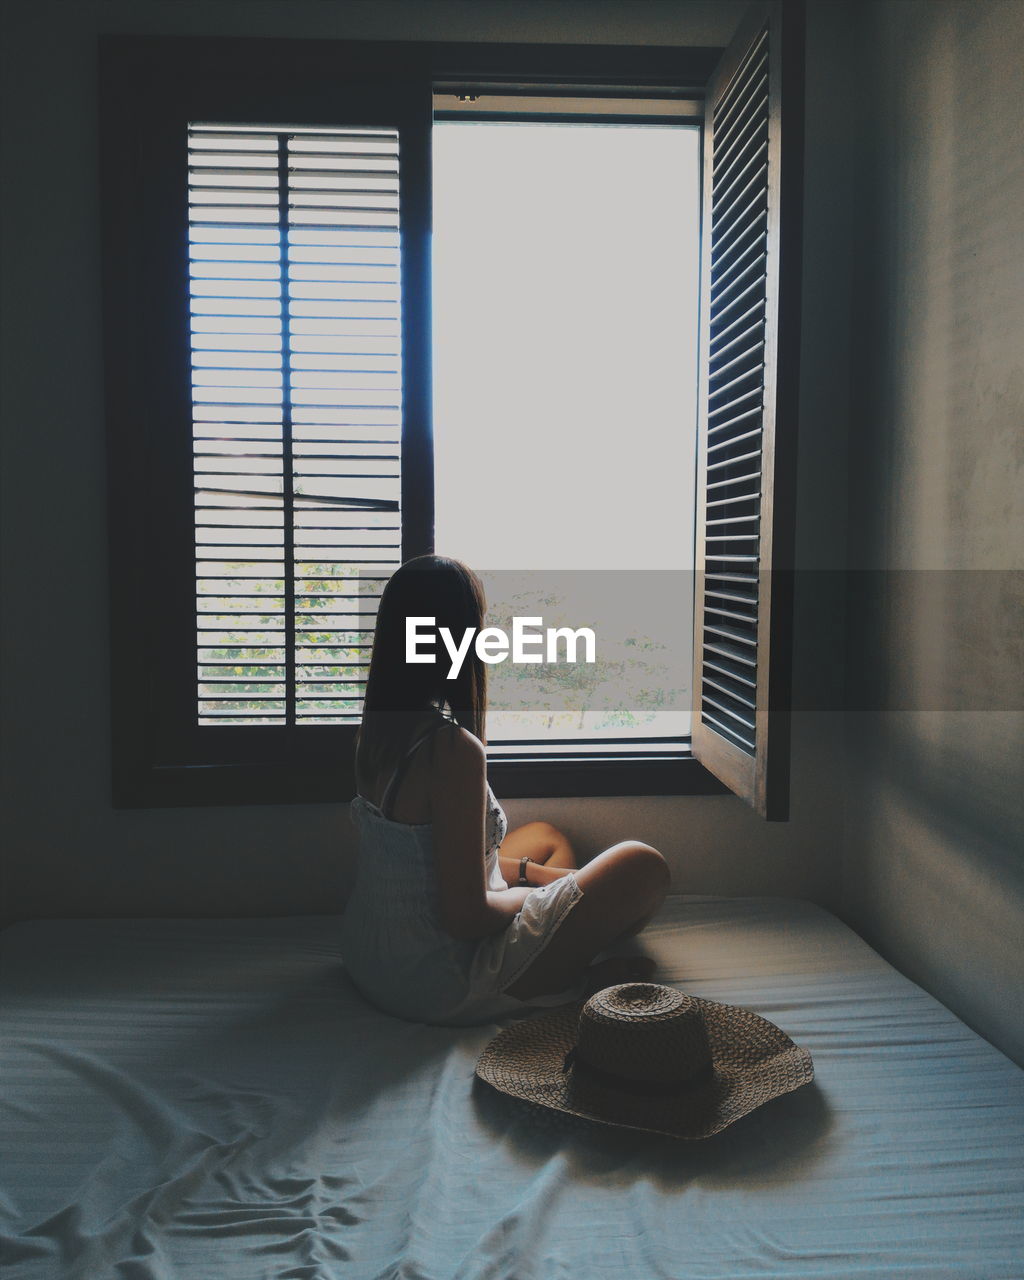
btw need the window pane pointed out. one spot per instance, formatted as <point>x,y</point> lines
<point>565,278</point>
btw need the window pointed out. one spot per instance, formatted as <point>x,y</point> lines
<point>565,289</point>
<point>267,213</point>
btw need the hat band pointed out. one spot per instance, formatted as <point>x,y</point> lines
<point>627,1084</point>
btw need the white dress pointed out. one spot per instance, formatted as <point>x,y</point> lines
<point>394,948</point>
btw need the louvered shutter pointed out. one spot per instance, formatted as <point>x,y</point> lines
<point>295,295</point>
<point>747,412</point>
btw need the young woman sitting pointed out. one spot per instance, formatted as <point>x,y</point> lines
<point>453,919</point>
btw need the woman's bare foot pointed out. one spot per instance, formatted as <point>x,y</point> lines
<point>616,969</point>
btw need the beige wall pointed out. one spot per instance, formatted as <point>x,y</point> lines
<point>934,867</point>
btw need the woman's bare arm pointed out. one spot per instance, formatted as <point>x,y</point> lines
<point>469,910</point>
<point>536,872</point>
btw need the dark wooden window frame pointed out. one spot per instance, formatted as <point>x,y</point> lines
<point>158,758</point>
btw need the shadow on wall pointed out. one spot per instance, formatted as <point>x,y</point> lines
<point>933,870</point>
<point>934,878</point>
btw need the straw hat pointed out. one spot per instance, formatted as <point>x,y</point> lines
<point>647,1057</point>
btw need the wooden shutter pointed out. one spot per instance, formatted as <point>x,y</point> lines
<point>296,409</point>
<point>747,429</point>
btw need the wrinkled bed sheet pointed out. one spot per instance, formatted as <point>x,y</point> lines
<point>211,1099</point>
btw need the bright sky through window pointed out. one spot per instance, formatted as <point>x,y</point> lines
<point>565,288</point>
<point>565,284</point>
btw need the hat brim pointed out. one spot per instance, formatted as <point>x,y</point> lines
<point>753,1062</point>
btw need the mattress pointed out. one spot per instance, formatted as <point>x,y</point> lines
<point>212,1099</point>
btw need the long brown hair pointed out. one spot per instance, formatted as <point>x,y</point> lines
<point>400,694</point>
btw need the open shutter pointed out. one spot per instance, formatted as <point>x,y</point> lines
<point>745,491</point>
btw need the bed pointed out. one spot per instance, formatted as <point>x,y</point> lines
<point>211,1099</point>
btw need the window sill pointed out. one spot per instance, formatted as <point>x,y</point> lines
<point>223,784</point>
<point>679,775</point>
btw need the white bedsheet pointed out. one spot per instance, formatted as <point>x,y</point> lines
<point>210,1099</point>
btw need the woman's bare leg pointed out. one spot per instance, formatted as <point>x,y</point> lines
<point>542,843</point>
<point>622,888</point>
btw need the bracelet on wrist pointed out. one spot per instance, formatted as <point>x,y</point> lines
<point>522,871</point>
